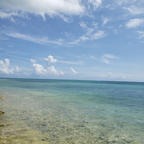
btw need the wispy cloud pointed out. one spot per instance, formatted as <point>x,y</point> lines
<point>133,23</point>
<point>70,62</point>
<point>107,58</point>
<point>7,14</point>
<point>91,33</point>
<point>39,40</point>
<point>114,76</point>
<point>98,35</point>
<point>141,34</point>
<point>105,20</point>
<point>83,25</point>
<point>32,60</point>
<point>73,70</point>
<point>135,10</point>
<point>52,59</point>
<point>44,7</point>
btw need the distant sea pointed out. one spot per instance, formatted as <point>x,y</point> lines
<point>71,112</point>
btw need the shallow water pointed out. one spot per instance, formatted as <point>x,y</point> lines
<point>71,112</point>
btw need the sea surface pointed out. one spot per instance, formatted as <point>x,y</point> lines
<point>71,112</point>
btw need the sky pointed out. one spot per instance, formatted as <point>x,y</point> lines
<point>72,39</point>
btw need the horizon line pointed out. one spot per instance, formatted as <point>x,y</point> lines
<point>124,81</point>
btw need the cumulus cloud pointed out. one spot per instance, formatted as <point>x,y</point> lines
<point>44,7</point>
<point>39,69</point>
<point>73,70</point>
<point>50,69</point>
<point>45,71</point>
<point>53,70</point>
<point>133,23</point>
<point>5,67</point>
<point>50,59</point>
<point>106,58</point>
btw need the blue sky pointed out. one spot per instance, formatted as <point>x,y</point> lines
<point>72,39</point>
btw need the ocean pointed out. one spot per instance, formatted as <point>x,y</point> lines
<point>71,112</point>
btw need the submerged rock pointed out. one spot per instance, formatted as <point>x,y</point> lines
<point>2,125</point>
<point>1,97</point>
<point>1,112</point>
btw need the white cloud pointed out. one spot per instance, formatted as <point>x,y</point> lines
<point>95,3</point>
<point>125,2</point>
<point>39,69</point>
<point>32,60</point>
<point>17,69</point>
<point>83,25</point>
<point>39,40</point>
<point>48,70</point>
<point>106,58</point>
<point>53,70</point>
<point>91,34</point>
<point>98,35</point>
<point>134,10</point>
<point>93,57</point>
<point>70,62</point>
<point>141,34</point>
<point>45,71</point>
<point>7,14</point>
<point>114,76</point>
<point>44,7</point>
<point>105,20</point>
<point>6,68</point>
<point>133,23</point>
<point>50,59</point>
<point>73,70</point>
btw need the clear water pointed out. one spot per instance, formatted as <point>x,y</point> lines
<point>71,112</point>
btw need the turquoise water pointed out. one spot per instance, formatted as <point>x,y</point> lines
<point>71,112</point>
